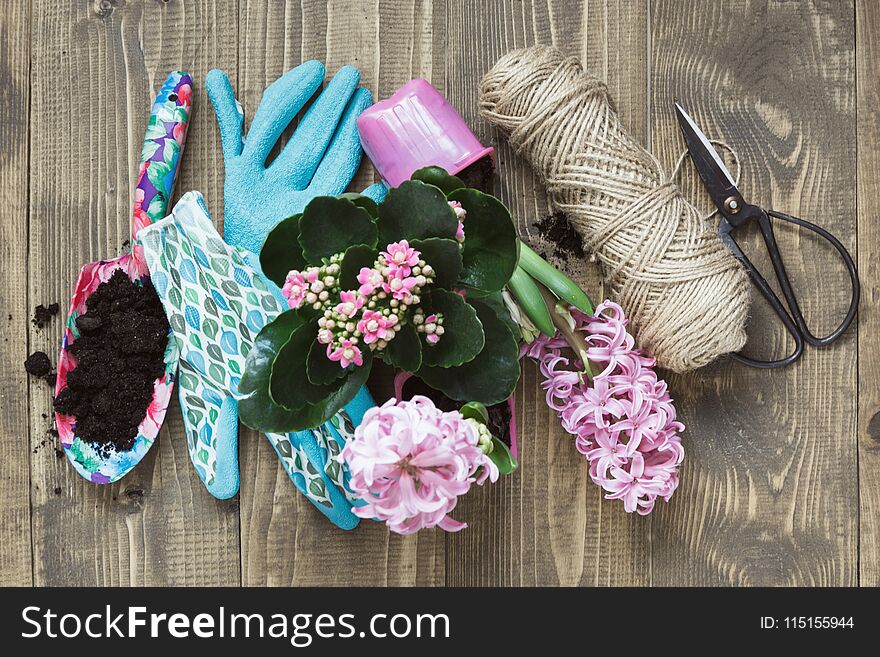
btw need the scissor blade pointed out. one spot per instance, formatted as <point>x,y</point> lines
<point>710,166</point>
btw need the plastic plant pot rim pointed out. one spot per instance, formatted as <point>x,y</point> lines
<point>402,377</point>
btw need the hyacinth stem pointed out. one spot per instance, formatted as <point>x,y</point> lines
<point>566,330</point>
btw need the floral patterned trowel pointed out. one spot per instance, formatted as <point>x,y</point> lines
<point>160,160</point>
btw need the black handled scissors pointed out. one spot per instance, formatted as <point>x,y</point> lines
<point>735,212</point>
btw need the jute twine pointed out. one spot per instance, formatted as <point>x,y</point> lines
<point>686,295</point>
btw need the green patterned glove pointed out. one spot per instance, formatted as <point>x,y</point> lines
<point>217,302</point>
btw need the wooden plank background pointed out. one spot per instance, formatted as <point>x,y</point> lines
<point>781,483</point>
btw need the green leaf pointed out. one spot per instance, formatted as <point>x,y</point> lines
<point>491,377</point>
<point>320,369</point>
<point>330,225</point>
<point>289,384</point>
<point>491,248</point>
<point>281,251</point>
<point>439,177</point>
<point>444,255</point>
<point>502,458</point>
<point>496,303</point>
<point>364,202</point>
<point>415,211</point>
<point>475,411</point>
<point>404,351</point>
<point>314,415</point>
<point>355,257</point>
<point>463,333</point>
<point>256,408</point>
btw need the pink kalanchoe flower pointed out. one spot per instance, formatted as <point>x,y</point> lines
<point>375,326</point>
<point>399,286</point>
<point>346,354</point>
<point>325,336</point>
<point>370,280</point>
<point>401,257</point>
<point>295,289</point>
<point>623,420</point>
<point>349,303</point>
<point>410,462</point>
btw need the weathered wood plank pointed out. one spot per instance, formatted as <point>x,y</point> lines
<point>547,524</point>
<point>96,69</point>
<point>868,100</point>
<point>769,490</point>
<point>284,539</point>
<point>15,524</point>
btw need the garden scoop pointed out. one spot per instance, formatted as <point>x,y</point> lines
<point>160,160</point>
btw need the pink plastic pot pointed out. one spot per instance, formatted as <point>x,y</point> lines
<point>415,128</point>
<point>401,378</point>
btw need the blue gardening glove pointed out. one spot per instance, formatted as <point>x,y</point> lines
<point>320,159</point>
<point>217,302</point>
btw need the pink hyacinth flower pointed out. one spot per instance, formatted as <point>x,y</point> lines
<point>623,420</point>
<point>346,354</point>
<point>349,303</point>
<point>295,289</point>
<point>410,462</point>
<point>375,326</point>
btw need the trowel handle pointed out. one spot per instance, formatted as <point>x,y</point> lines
<point>162,150</point>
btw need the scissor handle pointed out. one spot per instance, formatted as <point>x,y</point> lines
<point>767,292</point>
<point>794,323</point>
<point>851,270</point>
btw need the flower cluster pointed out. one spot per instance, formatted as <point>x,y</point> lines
<point>410,462</point>
<point>374,313</point>
<point>623,420</point>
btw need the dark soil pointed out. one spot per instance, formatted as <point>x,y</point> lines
<point>499,414</point>
<point>123,335</point>
<point>567,242</point>
<point>479,174</point>
<point>44,314</point>
<point>39,365</point>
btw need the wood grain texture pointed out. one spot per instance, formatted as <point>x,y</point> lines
<point>546,524</point>
<point>98,66</point>
<point>868,125</point>
<point>769,490</point>
<point>780,483</point>
<point>15,511</point>
<point>285,540</point>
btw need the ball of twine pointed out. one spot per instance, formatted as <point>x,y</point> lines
<point>686,295</point>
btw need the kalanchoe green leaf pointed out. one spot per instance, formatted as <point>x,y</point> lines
<point>496,302</point>
<point>501,457</point>
<point>492,375</point>
<point>355,258</point>
<point>364,202</point>
<point>256,408</point>
<point>491,247</point>
<point>415,211</point>
<point>316,414</point>
<point>330,225</point>
<point>439,177</point>
<point>463,333</point>
<point>320,369</point>
<point>281,251</point>
<point>405,351</point>
<point>444,256</point>
<point>289,384</point>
